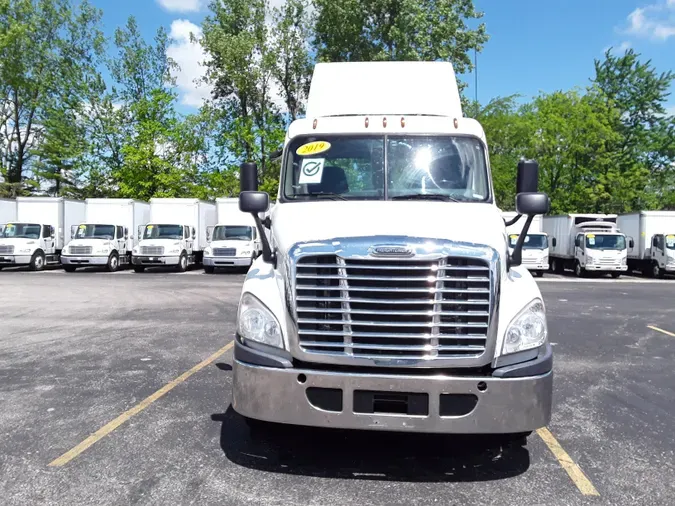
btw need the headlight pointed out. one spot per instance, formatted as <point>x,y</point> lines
<point>135,250</point>
<point>590,260</point>
<point>245,253</point>
<point>544,259</point>
<point>207,252</point>
<point>624,261</point>
<point>527,330</point>
<point>257,323</point>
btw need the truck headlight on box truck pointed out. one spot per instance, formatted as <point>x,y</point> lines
<point>527,330</point>
<point>257,323</point>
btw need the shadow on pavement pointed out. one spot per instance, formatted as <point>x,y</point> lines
<point>367,455</point>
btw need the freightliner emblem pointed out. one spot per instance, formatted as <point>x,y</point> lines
<point>391,251</point>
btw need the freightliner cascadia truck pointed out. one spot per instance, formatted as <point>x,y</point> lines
<point>386,297</point>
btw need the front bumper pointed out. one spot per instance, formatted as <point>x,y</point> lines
<point>479,404</point>
<point>227,261</point>
<point>84,260</point>
<point>154,260</point>
<point>536,267</point>
<point>670,268</point>
<point>9,260</point>
<point>606,268</point>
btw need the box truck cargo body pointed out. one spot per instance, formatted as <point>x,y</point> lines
<point>107,236</point>
<point>386,298</point>
<point>586,243</point>
<point>535,247</point>
<point>175,234</point>
<point>652,250</point>
<point>234,240</point>
<point>42,228</point>
<point>7,211</point>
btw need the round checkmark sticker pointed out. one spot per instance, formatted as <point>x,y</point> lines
<point>311,170</point>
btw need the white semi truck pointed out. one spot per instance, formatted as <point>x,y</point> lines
<point>106,238</point>
<point>652,241</point>
<point>175,235</point>
<point>42,228</point>
<point>535,247</point>
<point>234,241</point>
<point>386,298</point>
<point>586,243</point>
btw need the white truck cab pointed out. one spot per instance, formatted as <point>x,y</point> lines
<point>234,241</point>
<point>651,237</point>
<point>386,298</point>
<point>535,247</point>
<point>42,227</point>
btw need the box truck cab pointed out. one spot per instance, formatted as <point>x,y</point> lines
<point>175,235</point>
<point>587,243</point>
<point>386,298</point>
<point>42,228</point>
<point>106,239</point>
<point>234,241</point>
<point>535,247</point>
<point>651,236</point>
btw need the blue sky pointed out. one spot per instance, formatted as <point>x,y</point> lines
<point>535,46</point>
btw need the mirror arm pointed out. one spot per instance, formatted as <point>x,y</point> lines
<point>269,256</point>
<point>267,222</point>
<point>513,221</point>
<point>516,258</point>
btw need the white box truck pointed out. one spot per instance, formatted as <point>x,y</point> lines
<point>387,298</point>
<point>535,247</point>
<point>234,241</point>
<point>651,235</point>
<point>7,211</point>
<point>42,228</point>
<point>107,236</point>
<point>175,235</point>
<point>586,243</point>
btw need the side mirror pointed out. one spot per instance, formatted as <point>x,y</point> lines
<point>209,233</point>
<point>194,233</point>
<point>528,177</point>
<point>631,243</point>
<point>248,177</point>
<point>532,203</point>
<point>655,242</point>
<point>554,242</point>
<point>254,202</point>
<point>126,233</point>
<point>51,232</point>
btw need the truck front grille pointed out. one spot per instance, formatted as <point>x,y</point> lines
<point>224,252</point>
<point>80,250</point>
<point>152,250</point>
<point>609,261</point>
<point>6,250</point>
<point>393,309</point>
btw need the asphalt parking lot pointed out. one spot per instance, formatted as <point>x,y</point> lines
<point>115,389</point>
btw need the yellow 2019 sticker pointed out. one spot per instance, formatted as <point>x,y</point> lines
<point>670,237</point>
<point>591,236</point>
<point>313,148</point>
<point>514,236</point>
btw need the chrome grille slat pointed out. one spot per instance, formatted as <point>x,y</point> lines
<point>224,252</point>
<point>152,250</point>
<point>80,250</point>
<point>6,250</point>
<point>392,309</point>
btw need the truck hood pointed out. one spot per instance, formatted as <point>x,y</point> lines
<point>321,221</point>
<point>100,243</point>
<point>17,241</point>
<point>159,242</point>
<point>228,243</point>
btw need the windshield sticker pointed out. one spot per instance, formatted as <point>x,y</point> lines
<point>591,240</point>
<point>313,148</point>
<point>10,226</point>
<point>312,171</point>
<point>670,240</point>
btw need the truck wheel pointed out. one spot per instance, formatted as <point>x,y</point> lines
<point>139,268</point>
<point>69,268</point>
<point>113,263</point>
<point>578,270</point>
<point>208,269</point>
<point>37,263</point>
<point>540,274</point>
<point>182,263</point>
<point>615,275</point>
<point>657,272</point>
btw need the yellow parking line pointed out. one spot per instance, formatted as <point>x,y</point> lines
<point>111,426</point>
<point>661,330</point>
<point>573,470</point>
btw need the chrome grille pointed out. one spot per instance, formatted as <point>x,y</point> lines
<point>224,252</point>
<point>393,309</point>
<point>80,250</point>
<point>6,250</point>
<point>609,261</point>
<point>152,250</point>
<point>530,260</point>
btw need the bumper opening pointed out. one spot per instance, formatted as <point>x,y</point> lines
<point>328,399</point>
<point>457,404</point>
<point>391,403</point>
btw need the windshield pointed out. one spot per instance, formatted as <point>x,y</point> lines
<point>670,241</point>
<point>228,232</point>
<point>358,168</point>
<point>594,241</point>
<point>21,231</point>
<point>163,232</point>
<point>532,241</point>
<point>95,232</point>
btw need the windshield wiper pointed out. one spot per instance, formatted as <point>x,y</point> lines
<point>326,195</point>
<point>426,196</point>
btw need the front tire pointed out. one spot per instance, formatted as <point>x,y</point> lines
<point>578,270</point>
<point>615,275</point>
<point>113,263</point>
<point>37,262</point>
<point>539,274</point>
<point>182,263</point>
<point>139,268</point>
<point>657,272</point>
<point>208,269</point>
<point>69,268</point>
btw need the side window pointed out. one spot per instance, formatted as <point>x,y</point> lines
<point>580,241</point>
<point>120,232</point>
<point>255,234</point>
<point>46,231</point>
<point>659,242</point>
<point>186,232</point>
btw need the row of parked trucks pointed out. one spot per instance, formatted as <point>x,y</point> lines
<point>178,232</point>
<point>600,243</point>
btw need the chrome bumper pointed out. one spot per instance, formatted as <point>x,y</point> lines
<point>154,260</point>
<point>606,268</point>
<point>507,405</point>
<point>9,260</point>
<point>227,261</point>
<point>536,267</point>
<point>84,260</point>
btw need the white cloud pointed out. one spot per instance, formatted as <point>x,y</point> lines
<point>654,22</point>
<point>670,111</point>
<point>190,57</point>
<point>181,5</point>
